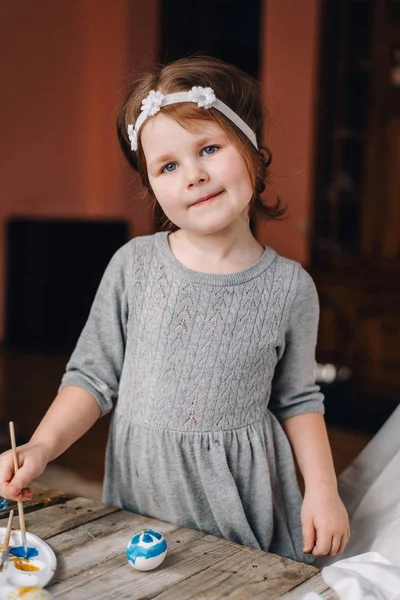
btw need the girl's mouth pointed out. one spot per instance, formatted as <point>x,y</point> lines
<point>206,199</point>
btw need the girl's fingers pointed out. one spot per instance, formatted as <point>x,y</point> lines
<point>336,543</point>
<point>15,487</point>
<point>330,544</point>
<point>308,537</point>
<point>18,484</point>
<point>343,542</point>
<point>342,545</point>
<point>27,493</point>
<point>6,475</point>
<point>24,494</point>
<point>323,545</point>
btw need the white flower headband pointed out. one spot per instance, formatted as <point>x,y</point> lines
<point>203,97</point>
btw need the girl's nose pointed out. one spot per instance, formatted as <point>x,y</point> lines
<point>196,175</point>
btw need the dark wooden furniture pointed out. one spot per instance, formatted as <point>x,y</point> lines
<point>356,238</point>
<point>54,267</point>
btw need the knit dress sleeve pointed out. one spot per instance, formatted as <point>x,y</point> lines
<point>96,363</point>
<point>294,390</point>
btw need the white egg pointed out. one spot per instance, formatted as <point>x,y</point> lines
<point>146,550</point>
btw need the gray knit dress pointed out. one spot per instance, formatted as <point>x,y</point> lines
<point>200,370</point>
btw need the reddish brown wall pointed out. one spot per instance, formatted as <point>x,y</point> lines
<point>289,82</point>
<point>62,83</point>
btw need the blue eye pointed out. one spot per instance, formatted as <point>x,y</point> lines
<point>169,168</point>
<point>209,150</point>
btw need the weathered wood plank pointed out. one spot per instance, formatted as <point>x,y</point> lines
<point>315,584</point>
<point>242,577</point>
<point>278,575</point>
<point>59,518</point>
<point>211,567</point>
<point>90,540</point>
<point>96,544</point>
<point>189,552</point>
<point>42,497</point>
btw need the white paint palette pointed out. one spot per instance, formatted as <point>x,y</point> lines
<point>15,574</point>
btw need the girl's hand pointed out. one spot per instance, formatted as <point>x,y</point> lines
<point>325,523</point>
<point>32,460</point>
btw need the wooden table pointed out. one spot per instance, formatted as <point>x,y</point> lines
<point>90,539</point>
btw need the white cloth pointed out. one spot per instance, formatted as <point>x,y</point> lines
<point>364,577</point>
<point>369,568</point>
<point>370,489</point>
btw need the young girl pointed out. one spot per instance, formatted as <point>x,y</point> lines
<point>201,339</point>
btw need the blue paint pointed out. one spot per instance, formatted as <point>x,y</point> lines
<point>147,536</point>
<point>3,504</point>
<point>18,551</point>
<point>135,550</point>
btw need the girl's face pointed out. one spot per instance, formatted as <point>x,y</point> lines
<point>198,177</point>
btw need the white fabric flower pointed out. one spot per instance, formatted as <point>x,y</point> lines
<point>132,135</point>
<point>204,97</point>
<point>152,103</point>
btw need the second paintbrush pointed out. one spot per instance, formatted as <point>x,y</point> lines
<point>20,504</point>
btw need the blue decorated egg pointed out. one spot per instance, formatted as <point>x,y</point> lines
<point>146,550</point>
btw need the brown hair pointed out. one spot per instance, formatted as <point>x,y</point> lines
<point>233,87</point>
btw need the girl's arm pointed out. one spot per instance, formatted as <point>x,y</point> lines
<point>309,440</point>
<point>324,518</point>
<point>298,404</point>
<point>71,414</point>
<point>89,386</point>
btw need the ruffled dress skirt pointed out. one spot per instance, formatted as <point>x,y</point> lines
<point>236,484</point>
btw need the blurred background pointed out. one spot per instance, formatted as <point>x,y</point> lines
<point>330,73</point>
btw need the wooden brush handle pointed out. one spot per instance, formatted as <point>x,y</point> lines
<point>16,467</point>
<point>6,541</point>
<point>21,516</point>
<point>14,447</point>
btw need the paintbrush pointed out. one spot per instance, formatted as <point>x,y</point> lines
<point>20,504</point>
<point>6,543</point>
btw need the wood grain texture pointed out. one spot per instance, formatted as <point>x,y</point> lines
<point>242,576</point>
<point>65,516</point>
<point>90,541</point>
<point>42,497</point>
<point>92,563</point>
<point>315,584</point>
